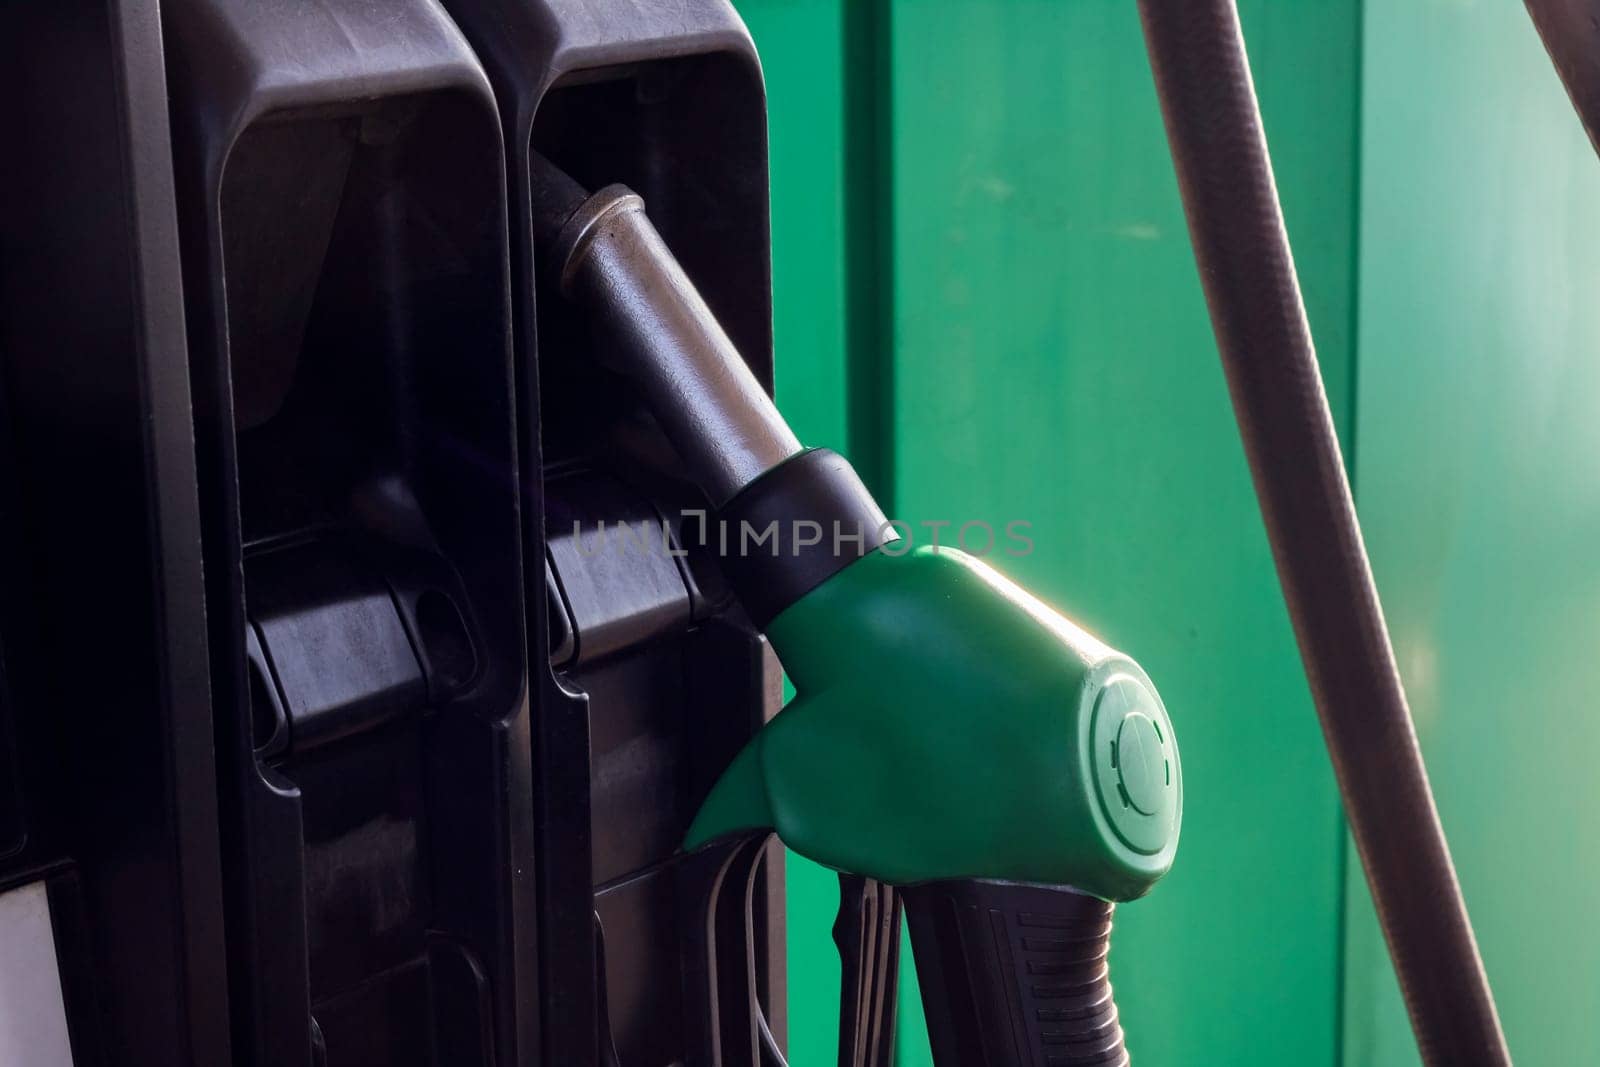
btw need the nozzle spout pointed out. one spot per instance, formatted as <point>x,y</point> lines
<point>604,253</point>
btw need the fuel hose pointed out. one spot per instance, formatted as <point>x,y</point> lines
<point>1236,226</point>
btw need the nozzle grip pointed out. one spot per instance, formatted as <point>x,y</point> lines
<point>1014,974</point>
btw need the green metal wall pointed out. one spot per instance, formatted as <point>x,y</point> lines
<point>1478,476</point>
<point>1053,362</point>
<point>985,293</point>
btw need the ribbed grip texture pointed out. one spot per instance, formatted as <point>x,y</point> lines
<point>1014,975</point>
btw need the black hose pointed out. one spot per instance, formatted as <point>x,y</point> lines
<point>1571,33</point>
<point>1220,153</point>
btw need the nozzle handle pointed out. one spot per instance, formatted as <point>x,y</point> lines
<point>1014,974</point>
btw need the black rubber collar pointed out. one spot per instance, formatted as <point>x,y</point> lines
<point>793,528</point>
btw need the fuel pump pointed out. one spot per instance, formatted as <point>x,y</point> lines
<point>951,735</point>
<point>335,336</point>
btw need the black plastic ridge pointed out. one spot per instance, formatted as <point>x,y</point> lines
<point>103,609</point>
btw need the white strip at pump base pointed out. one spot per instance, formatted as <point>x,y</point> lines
<point>33,1018</point>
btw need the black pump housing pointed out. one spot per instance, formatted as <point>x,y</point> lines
<point>330,742</point>
<point>650,679</point>
<point>342,211</point>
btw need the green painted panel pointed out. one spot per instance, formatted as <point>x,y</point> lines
<point>1051,362</point>
<point>1054,364</point>
<point>799,42</point>
<point>1479,483</point>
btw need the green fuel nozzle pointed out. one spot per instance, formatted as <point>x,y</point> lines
<point>946,724</point>
<point>951,735</point>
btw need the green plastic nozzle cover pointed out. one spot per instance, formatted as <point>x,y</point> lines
<point>947,724</point>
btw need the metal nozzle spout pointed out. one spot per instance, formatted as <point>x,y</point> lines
<point>654,326</point>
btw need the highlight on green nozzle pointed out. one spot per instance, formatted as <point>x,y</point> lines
<point>947,724</point>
